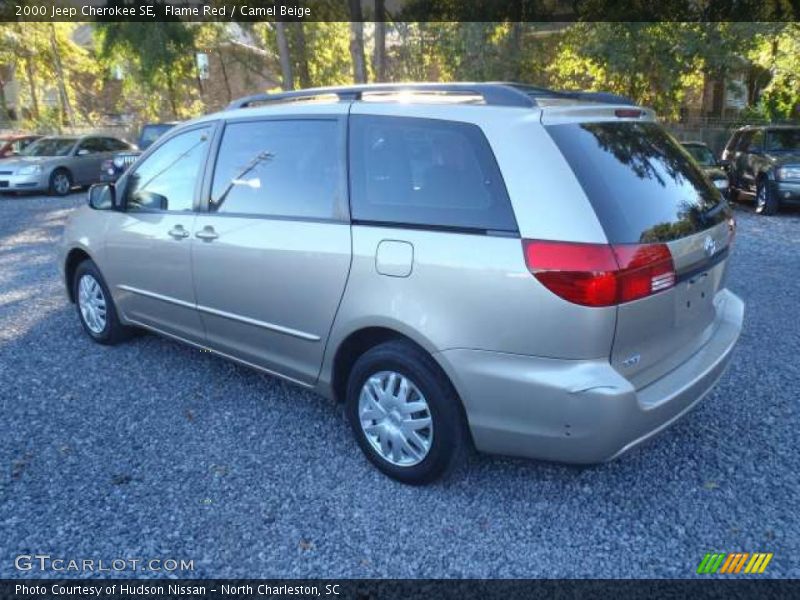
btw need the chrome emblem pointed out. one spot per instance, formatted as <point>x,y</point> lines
<point>709,245</point>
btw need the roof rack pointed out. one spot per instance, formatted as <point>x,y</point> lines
<point>493,93</point>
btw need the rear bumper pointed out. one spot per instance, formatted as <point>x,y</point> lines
<point>581,411</point>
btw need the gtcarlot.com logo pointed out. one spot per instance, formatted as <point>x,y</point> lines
<point>734,563</point>
<point>46,562</point>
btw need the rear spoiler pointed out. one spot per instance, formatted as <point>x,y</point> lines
<point>557,112</point>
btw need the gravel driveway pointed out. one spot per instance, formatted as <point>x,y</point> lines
<point>153,449</point>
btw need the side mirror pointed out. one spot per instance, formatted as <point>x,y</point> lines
<point>82,152</point>
<point>102,196</point>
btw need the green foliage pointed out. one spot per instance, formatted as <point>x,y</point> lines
<point>158,60</point>
<point>32,52</point>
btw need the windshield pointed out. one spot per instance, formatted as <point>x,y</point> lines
<point>50,147</point>
<point>783,139</point>
<point>642,185</point>
<point>702,154</point>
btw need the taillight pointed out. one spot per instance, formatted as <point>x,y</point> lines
<point>600,274</point>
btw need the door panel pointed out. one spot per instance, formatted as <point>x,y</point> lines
<point>149,271</point>
<point>268,290</point>
<point>149,246</point>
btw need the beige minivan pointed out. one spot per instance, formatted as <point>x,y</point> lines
<point>529,272</point>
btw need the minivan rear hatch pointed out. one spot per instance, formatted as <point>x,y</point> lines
<point>647,191</point>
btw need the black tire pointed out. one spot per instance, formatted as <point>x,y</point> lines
<point>112,332</point>
<point>450,439</point>
<point>766,202</point>
<point>56,188</point>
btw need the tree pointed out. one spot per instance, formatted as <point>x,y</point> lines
<point>287,75</point>
<point>379,57</point>
<point>357,42</point>
<point>160,56</point>
<point>300,54</point>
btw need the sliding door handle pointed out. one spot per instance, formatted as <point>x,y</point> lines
<point>206,234</point>
<point>178,232</point>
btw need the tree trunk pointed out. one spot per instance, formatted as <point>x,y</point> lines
<point>302,56</point>
<point>515,58</point>
<point>357,42</point>
<point>62,86</point>
<point>379,60</point>
<point>283,55</point>
<point>228,90</point>
<point>29,70</point>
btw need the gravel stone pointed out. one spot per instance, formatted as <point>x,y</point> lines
<point>154,449</point>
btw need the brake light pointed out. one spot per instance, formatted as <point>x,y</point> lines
<point>628,113</point>
<point>600,274</point>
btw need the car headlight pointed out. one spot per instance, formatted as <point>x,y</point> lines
<point>721,184</point>
<point>30,170</point>
<point>792,172</point>
<point>119,162</point>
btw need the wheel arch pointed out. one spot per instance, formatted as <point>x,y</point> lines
<point>74,257</point>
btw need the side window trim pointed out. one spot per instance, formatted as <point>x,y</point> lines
<point>213,158</point>
<point>122,184</point>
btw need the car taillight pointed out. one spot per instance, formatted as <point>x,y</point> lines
<point>600,274</point>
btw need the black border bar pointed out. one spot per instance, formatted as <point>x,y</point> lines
<point>709,587</point>
<point>402,10</point>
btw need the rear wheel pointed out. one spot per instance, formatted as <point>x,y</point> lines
<point>766,202</point>
<point>96,309</point>
<point>60,182</point>
<point>404,413</point>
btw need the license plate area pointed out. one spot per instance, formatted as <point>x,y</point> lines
<point>695,298</point>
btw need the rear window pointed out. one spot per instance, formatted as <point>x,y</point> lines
<point>643,186</point>
<point>426,172</point>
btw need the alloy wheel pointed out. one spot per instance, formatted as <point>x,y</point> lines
<point>61,183</point>
<point>92,303</point>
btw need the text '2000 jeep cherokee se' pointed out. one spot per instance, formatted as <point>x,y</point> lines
<point>537,273</point>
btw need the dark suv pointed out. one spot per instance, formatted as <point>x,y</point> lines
<point>112,168</point>
<point>765,161</point>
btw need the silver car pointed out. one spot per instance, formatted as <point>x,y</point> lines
<point>529,272</point>
<point>56,164</point>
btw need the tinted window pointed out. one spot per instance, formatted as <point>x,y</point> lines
<point>702,154</point>
<point>756,140</point>
<point>166,179</point>
<point>643,186</point>
<point>21,144</point>
<point>280,168</point>
<point>50,147</point>
<point>426,172</point>
<point>115,145</point>
<point>779,140</point>
<point>93,145</point>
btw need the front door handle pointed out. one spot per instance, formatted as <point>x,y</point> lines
<point>207,234</point>
<point>178,232</point>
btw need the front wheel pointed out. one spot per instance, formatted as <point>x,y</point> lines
<point>60,183</point>
<point>96,310</point>
<point>766,202</point>
<point>405,414</point>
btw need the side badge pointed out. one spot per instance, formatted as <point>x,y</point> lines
<point>632,361</point>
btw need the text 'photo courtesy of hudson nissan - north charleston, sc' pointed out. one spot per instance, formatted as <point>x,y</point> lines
<point>523,271</point>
